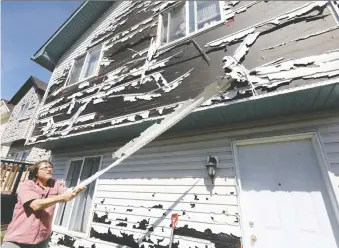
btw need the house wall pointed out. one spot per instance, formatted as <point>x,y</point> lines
<point>5,149</point>
<point>18,129</point>
<point>250,45</point>
<point>35,153</point>
<point>134,201</point>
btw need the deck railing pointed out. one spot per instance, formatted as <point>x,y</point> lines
<point>13,174</point>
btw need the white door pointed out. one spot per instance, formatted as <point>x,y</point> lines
<point>284,200</point>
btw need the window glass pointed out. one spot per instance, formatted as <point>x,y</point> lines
<point>82,203</point>
<point>191,16</point>
<point>24,155</point>
<point>76,70</point>
<point>201,14</point>
<point>92,63</point>
<point>208,12</point>
<point>74,215</point>
<point>174,24</point>
<point>71,181</point>
<point>23,110</point>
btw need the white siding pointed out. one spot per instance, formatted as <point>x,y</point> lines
<point>4,150</point>
<point>172,177</point>
<point>171,173</point>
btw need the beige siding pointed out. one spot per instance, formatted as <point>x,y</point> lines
<point>18,129</point>
<point>34,154</point>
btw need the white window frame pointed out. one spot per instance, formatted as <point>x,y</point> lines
<point>23,111</point>
<point>188,35</point>
<point>85,65</point>
<point>65,230</point>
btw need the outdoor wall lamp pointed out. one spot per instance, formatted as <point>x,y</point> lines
<point>212,163</point>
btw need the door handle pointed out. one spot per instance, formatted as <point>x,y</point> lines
<point>253,238</point>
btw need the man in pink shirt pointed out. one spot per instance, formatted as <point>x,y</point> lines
<point>33,214</point>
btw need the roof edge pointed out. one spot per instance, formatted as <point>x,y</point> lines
<point>41,50</point>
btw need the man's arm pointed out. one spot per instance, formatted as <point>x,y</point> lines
<point>40,204</point>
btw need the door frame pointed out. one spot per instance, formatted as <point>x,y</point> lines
<point>327,176</point>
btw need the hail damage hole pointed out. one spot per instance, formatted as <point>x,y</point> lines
<point>102,219</point>
<point>220,240</point>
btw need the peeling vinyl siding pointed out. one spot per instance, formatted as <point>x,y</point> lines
<point>168,176</point>
<point>330,140</point>
<point>292,45</point>
<point>80,46</point>
<point>135,200</point>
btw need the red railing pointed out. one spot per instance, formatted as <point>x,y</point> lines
<point>13,173</point>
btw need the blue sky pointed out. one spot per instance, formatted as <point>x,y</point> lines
<point>25,27</point>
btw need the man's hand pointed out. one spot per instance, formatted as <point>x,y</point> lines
<point>78,190</point>
<point>68,195</point>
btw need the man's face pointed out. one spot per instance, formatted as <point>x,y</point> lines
<point>45,171</point>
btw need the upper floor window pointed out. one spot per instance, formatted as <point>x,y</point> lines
<point>75,215</point>
<point>190,17</point>
<point>23,110</point>
<point>85,66</point>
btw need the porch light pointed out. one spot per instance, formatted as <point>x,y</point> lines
<point>212,163</point>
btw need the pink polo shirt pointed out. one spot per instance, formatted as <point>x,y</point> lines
<point>28,226</point>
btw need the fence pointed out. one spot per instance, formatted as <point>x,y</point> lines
<point>13,173</point>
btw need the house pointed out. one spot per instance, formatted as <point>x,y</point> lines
<point>271,142</point>
<point>24,105</point>
<point>5,112</point>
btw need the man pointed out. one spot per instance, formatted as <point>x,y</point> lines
<point>33,213</point>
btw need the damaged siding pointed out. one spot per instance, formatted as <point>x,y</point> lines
<point>135,200</point>
<point>292,44</point>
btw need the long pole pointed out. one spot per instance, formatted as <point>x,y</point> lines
<point>158,128</point>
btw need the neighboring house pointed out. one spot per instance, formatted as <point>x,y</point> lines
<point>5,112</point>
<point>26,103</point>
<point>120,66</point>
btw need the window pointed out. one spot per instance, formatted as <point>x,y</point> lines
<point>23,110</point>
<point>85,66</point>
<point>74,215</point>
<point>21,156</point>
<point>188,18</point>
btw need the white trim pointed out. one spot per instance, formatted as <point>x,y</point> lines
<point>196,31</point>
<point>334,11</point>
<point>201,108</point>
<point>4,103</point>
<point>313,136</point>
<point>327,174</point>
<point>80,80</point>
<point>93,200</point>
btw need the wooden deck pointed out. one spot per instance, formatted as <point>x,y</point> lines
<point>13,174</point>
